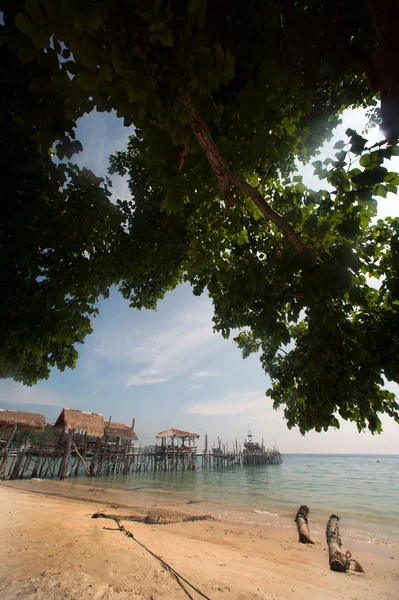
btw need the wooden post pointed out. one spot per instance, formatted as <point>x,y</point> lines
<point>301,521</point>
<point>93,465</point>
<point>116,455</point>
<point>18,464</point>
<point>65,458</point>
<point>5,453</point>
<point>37,463</point>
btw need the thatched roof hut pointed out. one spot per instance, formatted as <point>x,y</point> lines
<point>124,432</point>
<point>24,420</point>
<point>177,433</point>
<point>80,420</point>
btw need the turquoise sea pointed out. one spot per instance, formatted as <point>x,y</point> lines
<point>362,489</point>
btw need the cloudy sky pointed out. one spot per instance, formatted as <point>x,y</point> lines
<point>167,368</point>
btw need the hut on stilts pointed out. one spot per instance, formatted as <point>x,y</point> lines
<point>78,426</point>
<point>83,442</point>
<point>177,451</point>
<point>119,454</point>
<point>15,430</point>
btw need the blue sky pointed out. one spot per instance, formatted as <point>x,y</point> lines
<point>167,368</point>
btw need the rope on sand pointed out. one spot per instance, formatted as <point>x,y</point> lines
<point>179,578</point>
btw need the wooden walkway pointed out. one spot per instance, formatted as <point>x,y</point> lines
<point>106,459</point>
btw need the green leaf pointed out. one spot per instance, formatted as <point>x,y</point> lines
<point>392,178</point>
<point>339,145</point>
<point>157,26</point>
<point>137,53</point>
<point>119,65</point>
<point>317,164</point>
<point>34,10</point>
<point>357,144</point>
<point>87,81</point>
<point>381,191</point>
<point>242,238</point>
<point>229,65</point>
<point>24,24</point>
<point>391,188</point>
<point>366,160</point>
<point>147,16</point>
<point>41,41</point>
<point>341,156</point>
<point>132,93</point>
<point>26,55</point>
<point>166,39</point>
<point>301,187</point>
<point>350,132</point>
<point>219,53</point>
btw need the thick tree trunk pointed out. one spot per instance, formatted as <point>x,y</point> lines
<point>227,179</point>
<point>338,560</point>
<point>301,521</point>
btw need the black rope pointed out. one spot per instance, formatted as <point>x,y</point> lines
<point>179,578</point>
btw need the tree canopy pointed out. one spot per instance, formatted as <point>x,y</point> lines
<point>225,98</point>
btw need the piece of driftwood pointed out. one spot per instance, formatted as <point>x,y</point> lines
<point>301,521</point>
<point>338,560</point>
<point>153,519</point>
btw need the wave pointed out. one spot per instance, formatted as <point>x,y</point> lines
<point>266,512</point>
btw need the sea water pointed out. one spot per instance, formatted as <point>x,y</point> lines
<point>362,489</point>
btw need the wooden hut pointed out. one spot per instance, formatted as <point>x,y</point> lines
<point>80,420</point>
<point>16,420</point>
<point>72,421</point>
<point>22,420</point>
<point>174,453</point>
<point>121,431</point>
<point>116,456</point>
<point>177,434</point>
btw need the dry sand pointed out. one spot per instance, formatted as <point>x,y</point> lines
<point>51,549</point>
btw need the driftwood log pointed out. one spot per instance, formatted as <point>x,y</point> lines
<point>301,521</point>
<point>338,560</point>
<point>153,519</point>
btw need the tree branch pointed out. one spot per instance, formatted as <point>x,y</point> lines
<point>226,178</point>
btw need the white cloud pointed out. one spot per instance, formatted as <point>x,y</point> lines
<point>234,403</point>
<point>160,356</point>
<point>194,387</point>
<point>200,374</point>
<point>16,393</point>
<point>146,377</point>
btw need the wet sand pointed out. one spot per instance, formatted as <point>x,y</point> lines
<point>52,549</point>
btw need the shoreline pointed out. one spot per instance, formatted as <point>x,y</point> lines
<point>141,497</point>
<point>52,541</point>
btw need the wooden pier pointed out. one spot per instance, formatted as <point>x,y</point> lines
<point>84,444</point>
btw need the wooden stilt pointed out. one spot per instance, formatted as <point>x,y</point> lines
<point>67,453</point>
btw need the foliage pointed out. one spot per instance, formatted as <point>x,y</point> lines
<point>223,106</point>
<point>42,438</point>
<point>57,227</point>
<point>326,329</point>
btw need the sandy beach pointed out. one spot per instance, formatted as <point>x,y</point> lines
<point>53,549</point>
